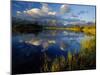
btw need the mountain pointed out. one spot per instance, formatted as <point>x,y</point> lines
<point>48,21</point>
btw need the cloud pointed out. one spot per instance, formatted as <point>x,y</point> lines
<point>37,12</point>
<point>32,12</point>
<point>64,9</point>
<point>51,13</point>
<point>18,12</point>
<point>82,12</point>
<point>45,8</point>
<point>74,15</point>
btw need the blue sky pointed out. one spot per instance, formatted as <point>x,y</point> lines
<point>65,11</point>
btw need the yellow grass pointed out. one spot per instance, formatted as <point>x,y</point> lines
<point>90,30</point>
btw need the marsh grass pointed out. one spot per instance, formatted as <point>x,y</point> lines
<point>85,59</point>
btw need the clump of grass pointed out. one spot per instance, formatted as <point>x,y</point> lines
<point>85,59</point>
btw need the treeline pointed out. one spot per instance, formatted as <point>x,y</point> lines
<point>27,28</point>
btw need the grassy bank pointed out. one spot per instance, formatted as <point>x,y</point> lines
<point>85,59</point>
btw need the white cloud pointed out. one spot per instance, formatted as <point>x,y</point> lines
<point>45,7</point>
<point>51,13</point>
<point>64,8</point>
<point>33,11</point>
<point>18,12</point>
<point>24,11</point>
<point>37,12</point>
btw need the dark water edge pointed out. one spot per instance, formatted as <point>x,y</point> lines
<point>39,59</point>
<point>28,58</point>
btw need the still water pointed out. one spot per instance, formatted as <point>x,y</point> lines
<point>56,42</point>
